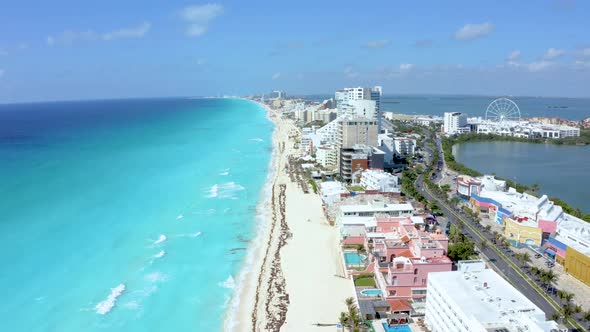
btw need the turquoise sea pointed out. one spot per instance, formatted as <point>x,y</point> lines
<point>127,215</point>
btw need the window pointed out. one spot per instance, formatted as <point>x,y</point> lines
<point>394,281</point>
<point>416,271</point>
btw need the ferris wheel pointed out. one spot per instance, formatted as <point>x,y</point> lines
<point>501,110</point>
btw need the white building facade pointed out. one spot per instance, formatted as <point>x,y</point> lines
<point>476,299</point>
<point>344,96</point>
<point>454,122</point>
<point>327,156</point>
<point>374,179</point>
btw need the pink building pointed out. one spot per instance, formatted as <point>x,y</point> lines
<point>403,255</point>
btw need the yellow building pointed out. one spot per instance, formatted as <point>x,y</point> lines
<point>522,234</point>
<point>578,265</point>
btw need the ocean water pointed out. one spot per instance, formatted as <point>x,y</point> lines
<point>559,170</point>
<point>573,108</point>
<point>128,215</point>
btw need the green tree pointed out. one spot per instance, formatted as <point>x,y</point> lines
<point>352,318</point>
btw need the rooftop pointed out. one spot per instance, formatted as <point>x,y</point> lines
<point>377,206</point>
<point>486,298</point>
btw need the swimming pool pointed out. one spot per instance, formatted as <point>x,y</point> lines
<point>353,258</point>
<point>371,292</point>
<point>396,328</point>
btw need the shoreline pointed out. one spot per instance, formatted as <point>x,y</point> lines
<point>247,276</point>
<point>291,280</point>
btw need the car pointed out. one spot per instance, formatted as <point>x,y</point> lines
<point>537,255</point>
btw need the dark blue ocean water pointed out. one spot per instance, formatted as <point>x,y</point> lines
<point>576,108</point>
<point>127,215</point>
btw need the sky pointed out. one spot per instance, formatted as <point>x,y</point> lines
<point>68,50</point>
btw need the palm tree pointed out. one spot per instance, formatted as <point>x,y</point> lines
<point>555,316</point>
<point>352,319</point>
<point>488,227</point>
<point>577,308</point>
<point>535,270</point>
<point>586,316</point>
<point>568,296</point>
<point>567,312</point>
<point>526,258</point>
<point>561,295</point>
<point>518,257</point>
<point>483,244</point>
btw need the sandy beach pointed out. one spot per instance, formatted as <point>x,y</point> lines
<point>294,277</point>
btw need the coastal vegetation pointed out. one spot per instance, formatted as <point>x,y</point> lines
<point>583,139</point>
<point>314,185</point>
<point>351,319</point>
<point>366,279</point>
<point>460,247</point>
<point>447,146</point>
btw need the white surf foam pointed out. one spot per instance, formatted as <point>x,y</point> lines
<point>180,216</point>
<point>227,190</point>
<point>229,283</point>
<point>224,172</point>
<point>105,306</point>
<point>257,139</point>
<point>156,277</point>
<point>190,234</point>
<point>160,254</point>
<point>247,274</point>
<point>213,192</point>
<point>160,239</point>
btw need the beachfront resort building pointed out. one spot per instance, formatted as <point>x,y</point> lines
<point>354,219</point>
<point>327,156</point>
<point>358,131</point>
<point>455,123</point>
<point>332,191</point>
<point>345,96</point>
<point>477,299</point>
<point>378,180</point>
<point>404,255</point>
<point>356,159</point>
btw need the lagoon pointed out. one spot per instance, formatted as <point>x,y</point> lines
<point>561,171</point>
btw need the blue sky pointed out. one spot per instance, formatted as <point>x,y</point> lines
<point>56,50</point>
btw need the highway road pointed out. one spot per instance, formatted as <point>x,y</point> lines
<point>504,262</point>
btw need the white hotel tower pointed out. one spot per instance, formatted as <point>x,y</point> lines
<point>345,96</point>
<point>477,299</point>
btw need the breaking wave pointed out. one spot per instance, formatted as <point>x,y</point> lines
<point>105,306</point>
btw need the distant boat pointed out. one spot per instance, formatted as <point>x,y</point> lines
<point>550,106</point>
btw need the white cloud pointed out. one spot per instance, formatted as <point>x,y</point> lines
<point>1,73</point>
<point>514,56</point>
<point>381,43</point>
<point>586,52</point>
<point>199,17</point>
<point>69,37</point>
<point>538,66</point>
<point>553,53</point>
<point>474,31</point>
<point>406,67</point>
<point>350,72</point>
<point>134,32</point>
<point>276,76</point>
